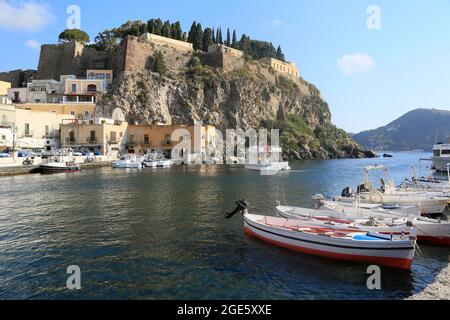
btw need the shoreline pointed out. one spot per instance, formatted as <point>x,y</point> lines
<point>22,170</point>
<point>438,290</point>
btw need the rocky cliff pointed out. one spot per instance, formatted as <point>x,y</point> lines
<point>249,97</point>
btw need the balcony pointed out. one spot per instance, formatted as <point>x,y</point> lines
<point>6,124</point>
<point>27,134</point>
<point>91,140</point>
<point>166,143</point>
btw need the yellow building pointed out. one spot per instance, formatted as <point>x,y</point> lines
<point>150,139</point>
<point>84,90</point>
<point>4,86</point>
<point>77,110</point>
<point>32,129</point>
<point>101,135</point>
<point>159,40</point>
<point>100,75</point>
<point>287,68</point>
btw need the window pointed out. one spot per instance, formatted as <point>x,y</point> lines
<point>72,136</point>
<point>92,88</point>
<point>108,76</point>
<point>92,136</point>
<point>121,134</point>
<point>74,87</point>
<point>72,113</point>
<point>446,152</point>
<point>47,130</point>
<point>86,113</point>
<point>113,136</point>
<point>3,137</point>
<point>27,129</point>
<point>437,153</point>
<point>146,139</point>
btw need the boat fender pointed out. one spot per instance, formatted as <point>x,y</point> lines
<point>242,207</point>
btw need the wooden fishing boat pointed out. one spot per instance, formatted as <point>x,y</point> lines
<point>430,231</point>
<point>334,242</point>
<point>59,167</point>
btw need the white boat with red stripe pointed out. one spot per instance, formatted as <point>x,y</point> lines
<point>334,242</point>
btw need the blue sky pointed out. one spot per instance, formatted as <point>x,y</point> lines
<point>368,76</point>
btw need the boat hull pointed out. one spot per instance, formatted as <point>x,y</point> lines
<point>427,232</point>
<point>53,170</point>
<point>398,256</point>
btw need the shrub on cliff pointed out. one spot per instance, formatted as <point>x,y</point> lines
<point>70,35</point>
<point>157,63</point>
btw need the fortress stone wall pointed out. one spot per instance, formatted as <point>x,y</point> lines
<point>71,58</point>
<point>18,78</point>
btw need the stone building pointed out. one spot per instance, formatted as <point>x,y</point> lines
<point>285,68</point>
<point>164,41</point>
<point>18,78</point>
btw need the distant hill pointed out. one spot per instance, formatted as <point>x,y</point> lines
<point>416,130</point>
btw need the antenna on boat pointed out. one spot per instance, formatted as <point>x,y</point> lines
<point>435,139</point>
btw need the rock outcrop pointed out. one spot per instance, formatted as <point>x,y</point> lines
<point>243,98</point>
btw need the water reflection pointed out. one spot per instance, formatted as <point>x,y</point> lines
<point>161,234</point>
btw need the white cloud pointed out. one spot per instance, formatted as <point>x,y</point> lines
<point>33,44</point>
<point>276,22</point>
<point>355,63</point>
<point>24,15</point>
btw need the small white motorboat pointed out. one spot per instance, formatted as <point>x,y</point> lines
<point>429,202</point>
<point>272,167</point>
<point>59,167</point>
<point>128,162</point>
<point>336,242</point>
<point>157,161</point>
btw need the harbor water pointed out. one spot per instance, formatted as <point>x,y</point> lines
<point>161,234</point>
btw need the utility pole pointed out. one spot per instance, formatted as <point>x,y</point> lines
<point>14,132</point>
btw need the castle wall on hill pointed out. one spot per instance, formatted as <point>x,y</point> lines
<point>71,58</point>
<point>138,55</point>
<point>226,58</point>
<point>18,78</point>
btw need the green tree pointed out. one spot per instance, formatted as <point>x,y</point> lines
<point>192,32</point>
<point>106,41</point>
<point>158,27</point>
<point>214,36</point>
<point>159,65</point>
<point>70,35</point>
<point>280,54</point>
<point>177,31</point>
<point>220,39</point>
<point>235,43</point>
<point>151,26</point>
<point>244,44</point>
<point>228,43</point>
<point>207,39</point>
<point>166,30</point>
<point>198,39</point>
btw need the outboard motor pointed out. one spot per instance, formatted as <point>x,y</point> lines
<point>347,192</point>
<point>242,207</point>
<point>362,188</point>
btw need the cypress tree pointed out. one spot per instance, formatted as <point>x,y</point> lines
<point>234,44</point>
<point>228,38</point>
<point>207,39</point>
<point>217,36</point>
<point>158,27</point>
<point>198,39</point>
<point>280,54</point>
<point>245,44</point>
<point>177,32</point>
<point>214,36</point>
<point>166,30</point>
<point>220,36</point>
<point>151,26</point>
<point>192,32</point>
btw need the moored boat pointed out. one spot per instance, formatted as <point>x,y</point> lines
<point>128,162</point>
<point>59,167</point>
<point>336,242</point>
<point>432,231</point>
